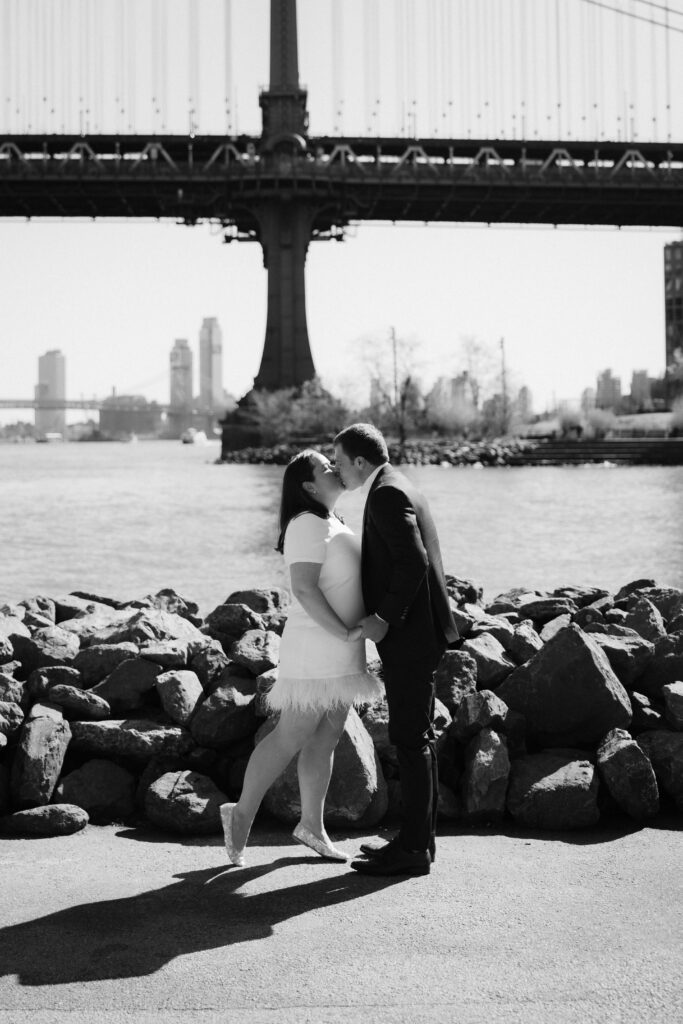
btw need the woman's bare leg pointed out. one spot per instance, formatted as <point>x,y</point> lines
<point>314,768</point>
<point>269,759</point>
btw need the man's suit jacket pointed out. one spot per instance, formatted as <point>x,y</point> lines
<point>401,568</point>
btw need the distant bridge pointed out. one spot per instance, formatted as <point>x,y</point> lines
<point>98,404</point>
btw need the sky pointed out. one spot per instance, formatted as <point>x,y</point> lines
<point>113,296</point>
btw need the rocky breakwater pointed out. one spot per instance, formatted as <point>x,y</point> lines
<point>553,709</point>
<point>566,706</point>
<point>416,452</point>
<point>112,711</point>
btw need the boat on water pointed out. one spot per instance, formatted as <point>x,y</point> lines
<point>193,436</point>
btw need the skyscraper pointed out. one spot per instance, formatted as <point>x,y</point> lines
<point>51,387</point>
<point>181,375</point>
<point>211,396</point>
<point>673,298</point>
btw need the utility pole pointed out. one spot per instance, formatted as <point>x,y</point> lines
<point>504,388</point>
<point>399,397</point>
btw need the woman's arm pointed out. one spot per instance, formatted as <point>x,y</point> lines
<point>305,577</point>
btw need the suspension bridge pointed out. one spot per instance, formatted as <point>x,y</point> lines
<point>532,113</point>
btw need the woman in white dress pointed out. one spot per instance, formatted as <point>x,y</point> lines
<point>322,669</point>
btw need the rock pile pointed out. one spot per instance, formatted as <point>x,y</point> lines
<point>416,452</point>
<point>553,708</point>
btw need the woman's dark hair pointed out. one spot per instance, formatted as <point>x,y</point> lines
<point>365,440</point>
<point>295,498</point>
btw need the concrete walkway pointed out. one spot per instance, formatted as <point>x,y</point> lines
<point>118,924</point>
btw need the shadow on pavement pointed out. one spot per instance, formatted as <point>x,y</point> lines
<point>138,935</point>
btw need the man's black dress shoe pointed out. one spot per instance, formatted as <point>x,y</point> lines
<point>394,860</point>
<point>375,849</point>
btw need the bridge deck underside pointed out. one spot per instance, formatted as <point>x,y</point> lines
<point>346,198</point>
<point>343,180</point>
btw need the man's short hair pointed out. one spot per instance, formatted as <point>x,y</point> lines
<point>364,440</point>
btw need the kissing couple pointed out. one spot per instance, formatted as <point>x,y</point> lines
<point>388,587</point>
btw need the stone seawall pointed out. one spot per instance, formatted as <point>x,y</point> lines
<point>554,709</point>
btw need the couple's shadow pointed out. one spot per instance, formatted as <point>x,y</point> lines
<point>137,935</point>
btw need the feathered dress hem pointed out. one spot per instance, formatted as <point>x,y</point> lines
<point>322,694</point>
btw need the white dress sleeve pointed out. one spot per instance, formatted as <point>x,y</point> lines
<point>306,539</point>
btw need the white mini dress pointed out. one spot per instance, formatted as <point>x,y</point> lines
<point>317,671</point>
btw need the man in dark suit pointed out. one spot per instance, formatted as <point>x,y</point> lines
<point>410,620</point>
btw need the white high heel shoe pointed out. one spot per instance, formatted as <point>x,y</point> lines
<point>235,856</point>
<point>307,838</point>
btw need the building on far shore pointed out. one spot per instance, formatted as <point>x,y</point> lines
<point>51,387</point>
<point>587,400</point>
<point>641,391</point>
<point>211,395</point>
<point>123,416</point>
<point>608,392</point>
<point>181,392</point>
<point>673,299</point>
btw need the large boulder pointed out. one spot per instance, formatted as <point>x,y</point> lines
<point>357,795</point>
<point>231,621</point>
<point>493,664</point>
<point>11,717</point>
<point>455,677</point>
<point>552,628</point>
<point>628,775</point>
<point>567,692</point>
<point>140,627</point>
<point>68,606</point>
<point>181,694</point>
<point>646,619</point>
<point>6,650</point>
<point>667,600</point>
<point>645,715</point>
<point>166,653</point>
<point>665,751</point>
<point>126,687</point>
<point>553,790</point>
<point>628,655</point>
<point>52,645</point>
<point>226,716</point>
<point>208,661</point>
<point>104,789</point>
<point>376,723</point>
<point>167,600</point>
<point>98,661</point>
<point>52,820</point>
<point>41,680</point>
<point>485,781</point>
<point>79,704</point>
<point>137,739</point>
<point>185,802</point>
<point>265,600</point>
<point>665,666</point>
<point>480,710</point>
<point>258,650</point>
<point>524,642</point>
<point>673,703</point>
<point>12,689</point>
<point>38,761</point>
<point>544,609</point>
<point>40,606</point>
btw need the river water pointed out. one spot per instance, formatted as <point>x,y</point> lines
<point>127,519</point>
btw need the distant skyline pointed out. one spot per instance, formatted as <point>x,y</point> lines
<point>569,302</point>
<point>114,297</point>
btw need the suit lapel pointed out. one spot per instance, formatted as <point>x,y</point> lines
<point>374,484</point>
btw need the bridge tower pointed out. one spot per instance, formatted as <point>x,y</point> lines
<point>284,221</point>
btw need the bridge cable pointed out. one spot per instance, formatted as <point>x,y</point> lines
<point>131,62</point>
<point>337,68</point>
<point>193,46</point>
<point>227,56</point>
<point>640,17</point>
<point>163,88</point>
